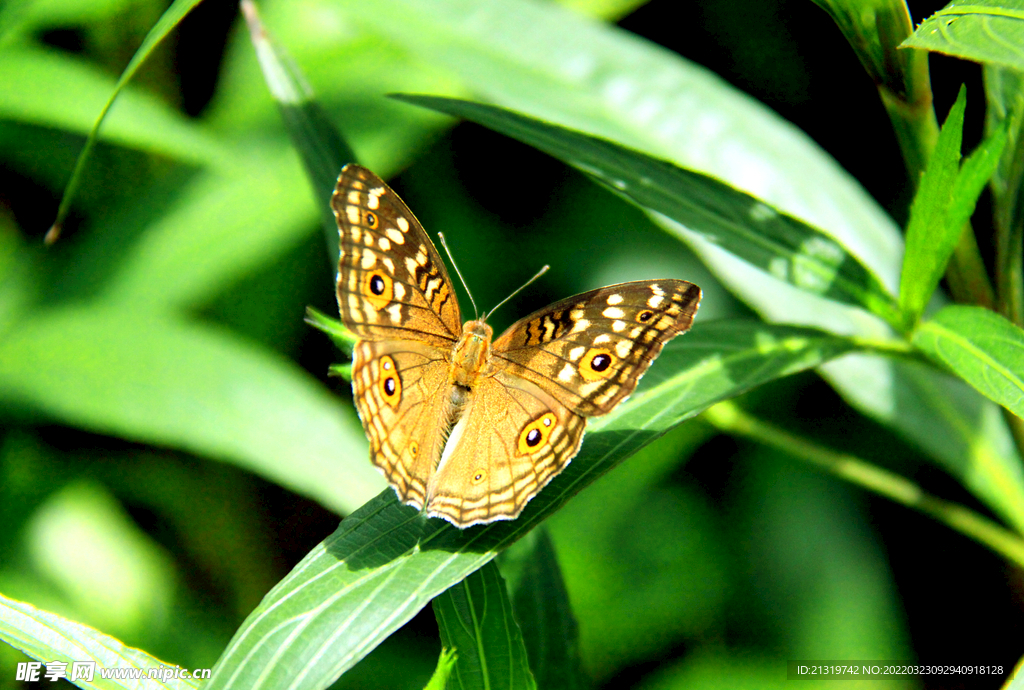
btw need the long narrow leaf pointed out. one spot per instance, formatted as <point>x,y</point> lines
<point>943,206</point>
<point>324,151</point>
<point>48,90</point>
<point>747,227</point>
<point>475,619</point>
<point>186,386</point>
<point>541,605</point>
<point>930,239</point>
<point>49,637</point>
<point>171,17</point>
<point>386,561</point>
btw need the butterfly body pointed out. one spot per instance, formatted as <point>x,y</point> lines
<point>465,427</point>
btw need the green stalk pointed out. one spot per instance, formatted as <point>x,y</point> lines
<point>730,419</point>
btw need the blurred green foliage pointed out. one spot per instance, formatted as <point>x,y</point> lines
<point>171,445</point>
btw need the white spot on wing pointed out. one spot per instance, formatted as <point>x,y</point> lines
<point>613,313</point>
<point>622,348</point>
<point>618,326</point>
<point>395,312</point>
<point>403,224</point>
<point>615,299</point>
<point>369,260</point>
<point>602,339</point>
<point>394,235</point>
<point>384,244</point>
<point>576,353</point>
<point>567,372</point>
<point>580,325</point>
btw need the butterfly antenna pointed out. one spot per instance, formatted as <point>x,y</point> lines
<point>519,289</point>
<point>459,274</point>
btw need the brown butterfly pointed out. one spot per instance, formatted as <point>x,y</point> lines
<point>464,428</point>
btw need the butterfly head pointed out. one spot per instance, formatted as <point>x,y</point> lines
<point>472,353</point>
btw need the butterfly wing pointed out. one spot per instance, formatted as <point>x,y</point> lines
<point>394,293</point>
<point>391,282</point>
<point>397,386</point>
<point>589,351</point>
<point>524,423</point>
<point>512,439</point>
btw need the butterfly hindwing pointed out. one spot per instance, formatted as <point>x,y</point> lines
<point>590,350</point>
<point>391,281</point>
<point>512,439</point>
<point>397,386</point>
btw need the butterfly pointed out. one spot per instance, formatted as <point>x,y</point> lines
<point>465,427</point>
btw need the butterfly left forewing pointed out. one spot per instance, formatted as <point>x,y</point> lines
<point>391,282</point>
<point>591,350</point>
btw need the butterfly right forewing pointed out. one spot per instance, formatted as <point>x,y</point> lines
<point>590,350</point>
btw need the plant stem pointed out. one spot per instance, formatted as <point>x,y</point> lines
<point>966,275</point>
<point>729,418</point>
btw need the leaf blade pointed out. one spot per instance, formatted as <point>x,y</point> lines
<point>772,241</point>
<point>475,619</point>
<point>986,31</point>
<point>48,637</point>
<point>982,347</point>
<point>942,208</point>
<point>185,386</point>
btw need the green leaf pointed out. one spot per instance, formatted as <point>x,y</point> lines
<point>942,208</point>
<point>171,17</point>
<point>48,637</point>
<point>216,230</point>
<point>774,242</point>
<point>541,605</point>
<point>324,151</point>
<point>987,31</point>
<point>930,239</point>
<point>475,619</point>
<point>982,347</point>
<point>445,665</point>
<point>187,386</point>
<point>48,89</point>
<point>342,338</point>
<point>606,9</point>
<point>553,64</point>
<point>387,561</point>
